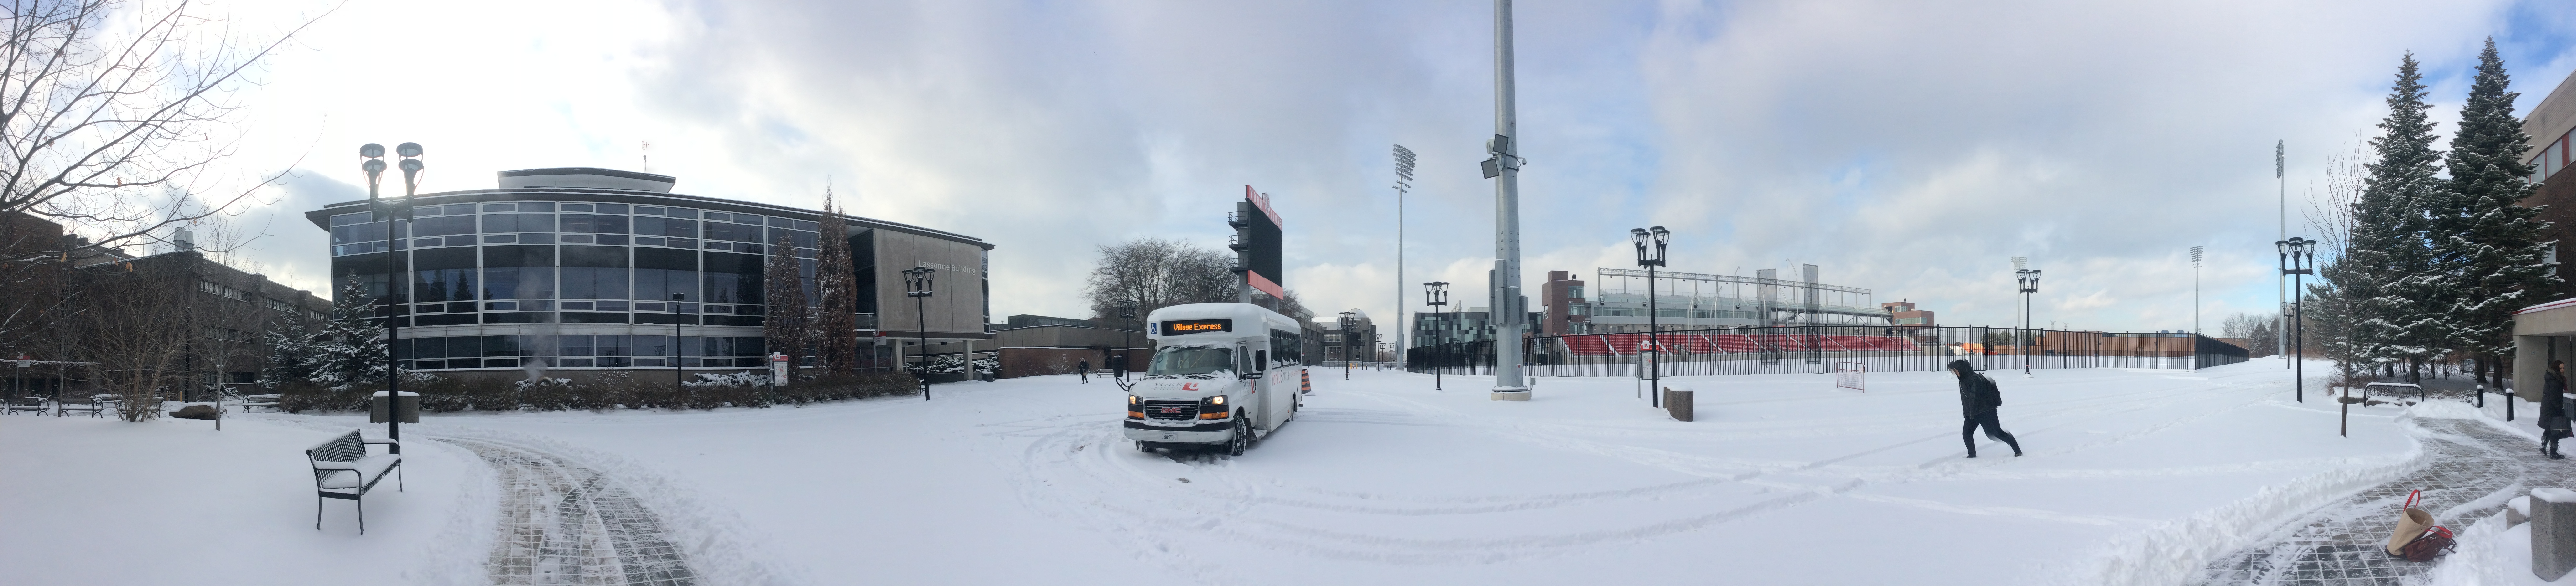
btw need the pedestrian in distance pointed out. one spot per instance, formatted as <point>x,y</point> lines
<point>2553,409</point>
<point>1978,399</point>
<point>1083,370</point>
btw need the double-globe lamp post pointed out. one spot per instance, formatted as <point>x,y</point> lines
<point>917,285</point>
<point>2298,258</point>
<point>1653,353</point>
<point>1436,295</point>
<point>1347,324</point>
<point>375,168</point>
<point>2029,283</point>
<point>679,346</point>
<point>1118,363</point>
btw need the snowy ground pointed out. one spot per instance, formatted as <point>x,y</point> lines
<point>2132,477</point>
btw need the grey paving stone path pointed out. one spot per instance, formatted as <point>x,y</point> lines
<point>562,523</point>
<point>2339,545</point>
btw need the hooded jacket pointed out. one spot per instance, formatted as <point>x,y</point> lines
<point>1977,394</point>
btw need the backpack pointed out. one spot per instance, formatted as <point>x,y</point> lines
<point>1994,395</point>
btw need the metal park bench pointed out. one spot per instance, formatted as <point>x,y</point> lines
<point>96,405</point>
<point>268,400</point>
<point>343,470</point>
<point>36,404</point>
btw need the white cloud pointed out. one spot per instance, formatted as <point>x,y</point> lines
<point>1907,148</point>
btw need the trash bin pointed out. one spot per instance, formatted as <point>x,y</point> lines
<point>405,408</point>
<point>1678,403</point>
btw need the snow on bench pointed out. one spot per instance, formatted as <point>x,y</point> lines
<point>342,469</point>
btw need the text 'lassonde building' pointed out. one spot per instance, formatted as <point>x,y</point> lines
<point>574,268</point>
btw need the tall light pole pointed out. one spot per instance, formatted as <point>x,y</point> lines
<point>375,168</point>
<point>2280,168</point>
<point>1403,183</point>
<point>1654,352</point>
<point>2195,290</point>
<point>2029,281</point>
<point>2298,259</point>
<point>917,285</point>
<point>1505,169</point>
<point>1435,294</point>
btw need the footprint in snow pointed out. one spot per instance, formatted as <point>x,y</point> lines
<point>1185,481</point>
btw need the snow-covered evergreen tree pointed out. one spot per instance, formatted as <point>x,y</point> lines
<point>291,350</point>
<point>354,353</point>
<point>2400,284</point>
<point>2500,244</point>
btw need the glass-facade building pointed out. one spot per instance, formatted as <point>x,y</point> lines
<point>580,268</point>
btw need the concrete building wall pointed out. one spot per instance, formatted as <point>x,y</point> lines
<point>958,304</point>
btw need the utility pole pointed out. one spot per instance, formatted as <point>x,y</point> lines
<point>1505,169</point>
<point>2195,290</point>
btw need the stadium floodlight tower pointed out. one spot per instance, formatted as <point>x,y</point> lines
<point>1403,183</point>
<point>2195,290</point>
<point>2029,280</point>
<point>1654,351</point>
<point>2298,258</point>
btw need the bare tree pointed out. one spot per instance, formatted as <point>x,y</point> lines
<point>113,115</point>
<point>2331,316</point>
<point>128,315</point>
<point>788,326</point>
<point>1159,273</point>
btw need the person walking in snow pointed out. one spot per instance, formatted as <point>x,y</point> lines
<point>2553,409</point>
<point>1978,398</point>
<point>1083,370</point>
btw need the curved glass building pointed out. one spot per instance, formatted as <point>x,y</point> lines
<point>577,268</point>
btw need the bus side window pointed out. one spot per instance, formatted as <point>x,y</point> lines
<point>1260,360</point>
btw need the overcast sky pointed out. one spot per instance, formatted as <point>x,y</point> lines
<point>1909,148</point>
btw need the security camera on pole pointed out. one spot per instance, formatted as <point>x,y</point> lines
<point>1510,315</point>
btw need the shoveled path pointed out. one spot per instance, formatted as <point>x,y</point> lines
<point>2473,463</point>
<point>563,523</point>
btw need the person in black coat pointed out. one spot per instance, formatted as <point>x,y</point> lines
<point>2553,409</point>
<point>1978,398</point>
<point>1083,370</point>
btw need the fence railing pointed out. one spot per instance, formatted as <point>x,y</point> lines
<point>1815,350</point>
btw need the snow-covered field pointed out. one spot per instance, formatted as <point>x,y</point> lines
<point>2132,477</point>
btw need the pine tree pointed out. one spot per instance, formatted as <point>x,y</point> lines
<point>2404,288</point>
<point>835,319</point>
<point>2500,243</point>
<point>291,353</point>
<point>354,354</point>
<point>788,324</point>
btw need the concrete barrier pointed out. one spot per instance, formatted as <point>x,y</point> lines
<point>1678,403</point>
<point>2553,532</point>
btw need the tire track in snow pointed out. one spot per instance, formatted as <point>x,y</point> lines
<point>565,523</point>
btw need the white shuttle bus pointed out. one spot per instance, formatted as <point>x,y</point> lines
<point>1223,376</point>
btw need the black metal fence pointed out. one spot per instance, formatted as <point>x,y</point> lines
<point>1819,349</point>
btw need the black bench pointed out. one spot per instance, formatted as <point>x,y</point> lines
<point>96,405</point>
<point>343,470</point>
<point>36,404</point>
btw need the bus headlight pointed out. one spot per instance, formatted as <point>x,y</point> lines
<point>1218,400</point>
<point>1132,400</point>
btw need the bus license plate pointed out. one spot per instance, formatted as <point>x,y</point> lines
<point>1169,436</point>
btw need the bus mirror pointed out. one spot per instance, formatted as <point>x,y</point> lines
<point>1260,360</point>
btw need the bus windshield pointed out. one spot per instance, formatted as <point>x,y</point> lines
<point>1192,361</point>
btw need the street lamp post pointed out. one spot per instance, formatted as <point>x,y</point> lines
<point>1657,236</point>
<point>2298,258</point>
<point>1435,294</point>
<point>2029,281</point>
<point>678,342</point>
<point>1127,311</point>
<point>375,168</point>
<point>917,285</point>
<point>1347,324</point>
